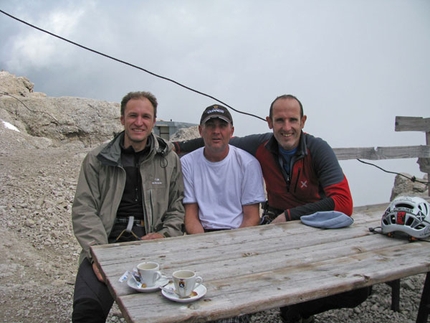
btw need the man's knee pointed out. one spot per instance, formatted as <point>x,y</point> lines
<point>88,310</point>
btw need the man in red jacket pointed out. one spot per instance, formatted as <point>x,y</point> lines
<point>302,176</point>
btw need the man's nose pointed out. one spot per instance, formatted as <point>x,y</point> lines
<point>286,125</point>
<point>216,127</point>
<point>139,121</point>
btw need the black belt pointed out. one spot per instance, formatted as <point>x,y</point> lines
<point>130,222</point>
<point>213,230</point>
<point>125,221</point>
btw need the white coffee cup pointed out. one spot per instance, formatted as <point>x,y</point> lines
<point>149,272</point>
<point>185,282</point>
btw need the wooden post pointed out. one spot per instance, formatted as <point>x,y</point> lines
<point>417,124</point>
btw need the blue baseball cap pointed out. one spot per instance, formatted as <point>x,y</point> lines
<point>327,220</point>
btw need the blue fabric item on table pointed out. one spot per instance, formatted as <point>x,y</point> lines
<point>327,220</point>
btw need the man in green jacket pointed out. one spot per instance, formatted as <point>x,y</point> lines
<point>130,188</point>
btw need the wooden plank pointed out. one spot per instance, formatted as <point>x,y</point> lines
<point>270,237</point>
<point>274,287</point>
<point>375,153</point>
<point>258,268</point>
<point>224,265</point>
<point>412,124</point>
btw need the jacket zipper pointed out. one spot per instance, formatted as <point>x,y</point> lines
<point>297,180</point>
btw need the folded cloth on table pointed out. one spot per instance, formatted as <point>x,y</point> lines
<point>327,220</point>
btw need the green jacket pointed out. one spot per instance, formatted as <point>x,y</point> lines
<point>101,184</point>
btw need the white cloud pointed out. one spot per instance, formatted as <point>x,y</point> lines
<point>35,49</point>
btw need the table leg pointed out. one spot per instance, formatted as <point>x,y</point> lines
<point>395,294</point>
<point>424,308</point>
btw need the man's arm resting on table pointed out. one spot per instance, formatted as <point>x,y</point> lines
<point>296,213</point>
<point>251,215</point>
<point>192,221</point>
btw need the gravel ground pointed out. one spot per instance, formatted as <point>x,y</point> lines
<point>39,253</point>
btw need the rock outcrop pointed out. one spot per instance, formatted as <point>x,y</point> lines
<point>407,185</point>
<point>57,120</point>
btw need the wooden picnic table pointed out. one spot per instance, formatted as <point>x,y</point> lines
<point>264,267</point>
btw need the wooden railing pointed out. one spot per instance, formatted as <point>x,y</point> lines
<point>402,124</point>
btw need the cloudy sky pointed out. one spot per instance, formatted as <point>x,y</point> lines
<point>355,65</point>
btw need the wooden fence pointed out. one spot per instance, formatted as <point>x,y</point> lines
<point>402,124</point>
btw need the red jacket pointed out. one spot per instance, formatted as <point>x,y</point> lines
<point>316,183</point>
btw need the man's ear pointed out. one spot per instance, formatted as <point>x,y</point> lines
<point>269,122</point>
<point>303,121</point>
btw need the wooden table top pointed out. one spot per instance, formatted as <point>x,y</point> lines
<point>263,267</point>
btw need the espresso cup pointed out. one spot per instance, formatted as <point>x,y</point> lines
<point>185,282</point>
<point>149,272</point>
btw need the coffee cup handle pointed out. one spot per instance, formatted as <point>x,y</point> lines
<point>199,281</point>
<point>158,275</point>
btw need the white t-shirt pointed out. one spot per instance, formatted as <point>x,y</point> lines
<point>222,188</point>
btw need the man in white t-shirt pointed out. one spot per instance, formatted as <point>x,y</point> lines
<point>223,184</point>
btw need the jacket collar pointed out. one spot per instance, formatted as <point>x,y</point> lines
<point>273,146</point>
<point>111,153</point>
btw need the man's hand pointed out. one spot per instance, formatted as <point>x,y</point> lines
<point>280,218</point>
<point>152,236</point>
<point>98,273</point>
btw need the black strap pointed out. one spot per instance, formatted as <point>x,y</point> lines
<point>123,220</point>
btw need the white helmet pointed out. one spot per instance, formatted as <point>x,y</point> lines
<point>410,215</point>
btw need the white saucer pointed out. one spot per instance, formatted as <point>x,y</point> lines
<point>198,293</point>
<point>159,283</point>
